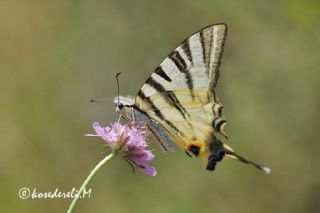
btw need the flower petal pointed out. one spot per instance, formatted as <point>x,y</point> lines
<point>99,130</point>
<point>104,133</point>
<point>149,170</point>
<point>142,155</point>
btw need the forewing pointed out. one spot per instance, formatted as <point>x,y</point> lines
<point>192,67</point>
<point>193,64</point>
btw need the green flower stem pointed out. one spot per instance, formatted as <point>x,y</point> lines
<point>88,179</point>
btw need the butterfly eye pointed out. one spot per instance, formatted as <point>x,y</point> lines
<point>119,107</point>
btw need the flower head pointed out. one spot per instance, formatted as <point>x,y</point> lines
<point>130,140</point>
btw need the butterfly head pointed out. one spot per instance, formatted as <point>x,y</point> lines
<point>123,106</point>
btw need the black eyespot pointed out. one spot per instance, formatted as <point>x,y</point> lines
<point>195,150</point>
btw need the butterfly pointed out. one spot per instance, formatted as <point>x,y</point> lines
<point>179,103</point>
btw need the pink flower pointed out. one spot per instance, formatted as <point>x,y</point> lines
<point>129,140</point>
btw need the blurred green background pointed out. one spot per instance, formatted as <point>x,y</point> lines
<point>57,55</point>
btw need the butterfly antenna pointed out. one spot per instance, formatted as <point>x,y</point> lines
<point>99,102</point>
<point>117,77</point>
<point>118,104</point>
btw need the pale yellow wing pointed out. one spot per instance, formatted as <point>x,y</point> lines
<point>196,129</point>
<point>179,97</point>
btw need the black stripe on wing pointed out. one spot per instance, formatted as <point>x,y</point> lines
<point>218,125</point>
<point>162,74</point>
<point>157,111</point>
<point>157,86</point>
<point>203,47</point>
<point>186,48</point>
<point>159,141</point>
<point>178,60</point>
<point>214,82</point>
<point>182,66</point>
<point>217,110</point>
<point>177,104</point>
<point>168,96</point>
